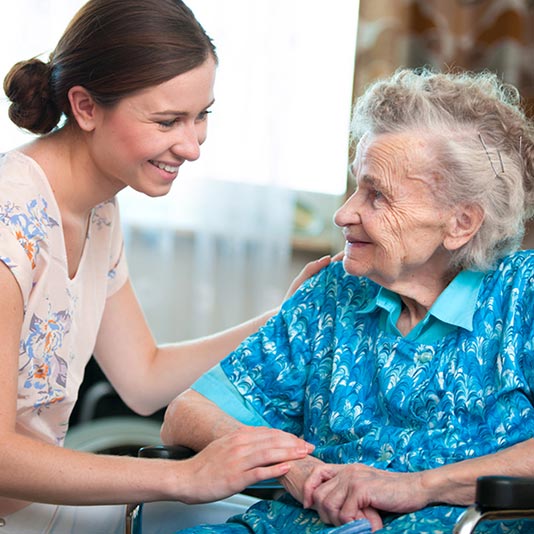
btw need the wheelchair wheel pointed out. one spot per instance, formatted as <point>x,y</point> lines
<point>122,436</point>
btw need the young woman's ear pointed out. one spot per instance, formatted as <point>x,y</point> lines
<point>83,107</point>
<point>463,225</point>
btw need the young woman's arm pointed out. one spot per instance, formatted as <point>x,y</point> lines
<point>34,471</point>
<point>147,376</point>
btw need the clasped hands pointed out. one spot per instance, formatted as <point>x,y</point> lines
<point>344,492</point>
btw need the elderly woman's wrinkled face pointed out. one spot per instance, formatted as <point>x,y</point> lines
<point>393,225</point>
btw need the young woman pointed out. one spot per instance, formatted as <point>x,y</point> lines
<point>123,101</point>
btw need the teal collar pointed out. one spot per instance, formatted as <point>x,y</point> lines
<point>454,308</point>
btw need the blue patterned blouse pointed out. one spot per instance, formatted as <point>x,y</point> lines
<point>326,368</point>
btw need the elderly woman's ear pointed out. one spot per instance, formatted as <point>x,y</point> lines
<point>464,223</point>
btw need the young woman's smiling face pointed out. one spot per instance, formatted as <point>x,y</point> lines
<point>143,140</point>
<point>393,225</point>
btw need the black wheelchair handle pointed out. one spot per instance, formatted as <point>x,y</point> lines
<point>166,452</point>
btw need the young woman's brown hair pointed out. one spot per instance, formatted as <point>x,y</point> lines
<point>108,54</point>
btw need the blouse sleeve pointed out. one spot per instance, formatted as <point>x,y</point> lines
<point>215,386</point>
<point>270,369</point>
<point>17,259</point>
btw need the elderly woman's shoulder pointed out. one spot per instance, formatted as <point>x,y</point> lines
<point>515,266</point>
<point>518,259</point>
<point>334,278</point>
<point>334,274</point>
<point>336,271</point>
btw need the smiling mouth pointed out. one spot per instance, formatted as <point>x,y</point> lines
<point>173,169</point>
<point>356,243</point>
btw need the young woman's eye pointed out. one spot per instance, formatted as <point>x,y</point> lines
<point>203,115</point>
<point>168,124</point>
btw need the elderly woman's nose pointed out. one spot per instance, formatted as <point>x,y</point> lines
<point>347,214</point>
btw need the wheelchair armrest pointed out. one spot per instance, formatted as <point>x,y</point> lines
<point>498,498</point>
<point>502,492</point>
<point>133,516</point>
<point>166,452</point>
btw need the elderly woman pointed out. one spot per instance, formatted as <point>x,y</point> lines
<point>410,367</point>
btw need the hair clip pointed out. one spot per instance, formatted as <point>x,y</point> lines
<point>497,174</point>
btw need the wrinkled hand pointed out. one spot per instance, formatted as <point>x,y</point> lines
<point>294,481</point>
<point>342,493</point>
<point>309,270</point>
<point>241,458</point>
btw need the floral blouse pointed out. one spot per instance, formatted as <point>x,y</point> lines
<point>325,369</point>
<point>62,315</point>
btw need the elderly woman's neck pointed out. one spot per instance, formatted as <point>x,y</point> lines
<point>411,314</point>
<point>417,299</point>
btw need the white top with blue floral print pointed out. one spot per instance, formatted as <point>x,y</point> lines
<point>62,315</point>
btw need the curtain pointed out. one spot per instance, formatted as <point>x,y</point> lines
<point>463,34</point>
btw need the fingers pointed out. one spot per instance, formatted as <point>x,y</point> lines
<point>366,513</point>
<point>258,455</point>
<point>311,269</point>
<point>317,265</point>
<point>328,509</point>
<point>258,474</point>
<point>340,499</point>
<point>314,480</point>
<point>328,498</point>
<point>262,453</point>
<point>269,440</point>
<point>308,271</point>
<point>252,447</point>
<point>374,518</point>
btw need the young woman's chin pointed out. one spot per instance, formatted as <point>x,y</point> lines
<point>155,193</point>
<point>152,190</point>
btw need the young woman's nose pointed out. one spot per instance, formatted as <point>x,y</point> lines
<point>187,145</point>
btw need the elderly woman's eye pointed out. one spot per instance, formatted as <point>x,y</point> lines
<point>376,194</point>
